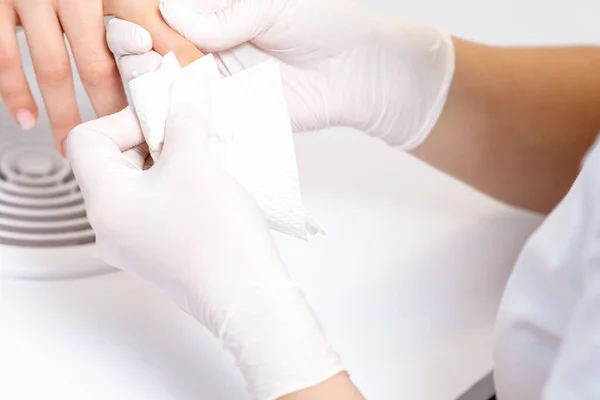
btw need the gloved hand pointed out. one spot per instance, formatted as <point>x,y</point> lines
<point>188,228</point>
<point>341,64</point>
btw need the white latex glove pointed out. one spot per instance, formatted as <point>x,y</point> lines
<point>187,227</point>
<point>342,65</point>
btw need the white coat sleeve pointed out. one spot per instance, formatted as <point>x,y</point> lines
<point>575,373</point>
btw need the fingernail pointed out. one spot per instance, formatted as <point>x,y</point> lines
<point>26,119</point>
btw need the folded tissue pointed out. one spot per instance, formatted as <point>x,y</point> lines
<point>251,133</point>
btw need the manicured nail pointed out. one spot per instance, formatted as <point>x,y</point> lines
<point>26,119</point>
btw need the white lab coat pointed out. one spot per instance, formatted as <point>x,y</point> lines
<point>548,328</point>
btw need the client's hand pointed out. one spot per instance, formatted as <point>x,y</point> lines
<point>188,228</point>
<point>146,14</point>
<point>44,23</point>
<point>341,64</point>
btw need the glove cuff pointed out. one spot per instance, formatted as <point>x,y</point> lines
<point>278,342</point>
<point>414,79</point>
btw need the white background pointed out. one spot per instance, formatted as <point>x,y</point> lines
<point>407,281</point>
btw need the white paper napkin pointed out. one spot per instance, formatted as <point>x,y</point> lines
<point>251,133</point>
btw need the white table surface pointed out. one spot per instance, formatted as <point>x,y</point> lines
<point>407,282</point>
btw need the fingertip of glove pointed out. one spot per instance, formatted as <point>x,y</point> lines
<point>126,38</point>
<point>142,41</point>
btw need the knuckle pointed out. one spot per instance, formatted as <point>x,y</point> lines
<point>22,3</point>
<point>13,97</point>
<point>14,92</point>
<point>54,74</point>
<point>66,3</point>
<point>9,57</point>
<point>98,73</point>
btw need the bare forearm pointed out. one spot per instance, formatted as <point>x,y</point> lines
<point>518,121</point>
<point>337,387</point>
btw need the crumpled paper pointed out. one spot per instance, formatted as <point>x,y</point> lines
<point>251,133</point>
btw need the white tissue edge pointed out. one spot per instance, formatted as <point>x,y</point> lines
<point>160,81</point>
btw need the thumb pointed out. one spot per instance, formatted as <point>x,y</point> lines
<point>95,149</point>
<point>222,28</point>
<point>188,123</point>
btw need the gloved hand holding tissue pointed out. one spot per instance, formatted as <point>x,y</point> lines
<point>188,226</point>
<point>250,132</point>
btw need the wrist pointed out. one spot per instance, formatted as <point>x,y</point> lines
<point>338,387</point>
<point>278,342</point>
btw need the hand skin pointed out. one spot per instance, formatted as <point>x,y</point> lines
<point>146,14</point>
<point>516,126</point>
<point>44,22</point>
<point>518,121</point>
<point>82,21</point>
<point>339,387</point>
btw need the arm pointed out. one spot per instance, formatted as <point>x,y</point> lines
<point>337,387</point>
<point>518,121</point>
<point>553,301</point>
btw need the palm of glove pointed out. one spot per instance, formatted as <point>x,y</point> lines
<point>184,225</point>
<point>229,243</point>
<point>323,55</point>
